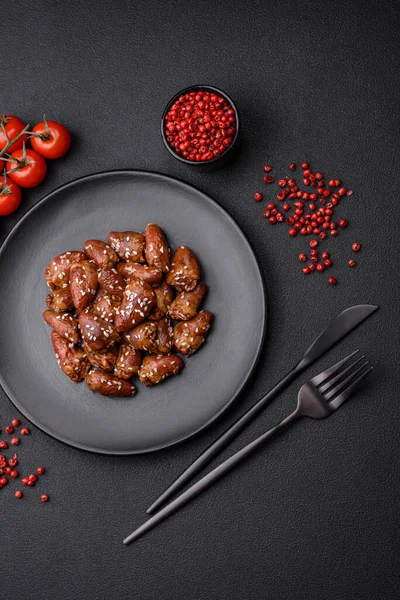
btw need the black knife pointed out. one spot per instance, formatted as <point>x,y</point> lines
<point>345,322</point>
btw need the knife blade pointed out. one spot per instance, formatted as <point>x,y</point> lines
<point>336,330</point>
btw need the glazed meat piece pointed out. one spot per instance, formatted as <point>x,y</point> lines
<point>83,278</point>
<point>71,359</point>
<point>103,360</point>
<point>128,361</point>
<point>57,272</point>
<point>104,305</point>
<point>165,336</point>
<point>112,281</point>
<point>120,296</point>
<point>60,300</point>
<point>189,335</point>
<point>137,301</point>
<point>102,254</point>
<point>63,323</point>
<point>108,385</point>
<point>96,332</point>
<point>184,271</point>
<point>129,245</point>
<point>157,368</point>
<point>131,270</point>
<point>143,337</point>
<point>186,304</point>
<point>157,251</point>
<point>164,297</point>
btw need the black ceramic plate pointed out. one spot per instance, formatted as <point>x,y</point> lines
<point>156,417</point>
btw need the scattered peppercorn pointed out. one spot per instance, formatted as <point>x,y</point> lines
<point>267,168</point>
<point>258,196</point>
<point>15,441</point>
<point>25,431</point>
<point>332,281</point>
<point>316,218</point>
<point>18,494</point>
<point>355,247</point>
<point>9,429</point>
<point>3,445</point>
<point>40,470</point>
<point>44,498</point>
<point>352,263</point>
<point>14,474</point>
<point>15,422</point>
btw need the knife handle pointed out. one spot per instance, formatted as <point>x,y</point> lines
<point>224,439</point>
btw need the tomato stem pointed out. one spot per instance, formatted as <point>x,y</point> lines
<point>15,169</point>
<point>13,160</point>
<point>46,128</point>
<point>5,189</point>
<point>11,142</point>
<point>44,137</point>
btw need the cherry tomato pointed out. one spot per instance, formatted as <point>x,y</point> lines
<point>13,126</point>
<point>32,168</point>
<point>10,196</point>
<point>53,139</point>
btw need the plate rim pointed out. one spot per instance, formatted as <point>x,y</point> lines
<point>263,323</point>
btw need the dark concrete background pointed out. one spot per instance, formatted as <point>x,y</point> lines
<point>315,516</point>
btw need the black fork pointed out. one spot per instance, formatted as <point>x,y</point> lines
<point>317,399</point>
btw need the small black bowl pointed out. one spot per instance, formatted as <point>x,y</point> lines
<point>227,154</point>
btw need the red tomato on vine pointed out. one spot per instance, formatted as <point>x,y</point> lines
<point>10,196</point>
<point>10,128</point>
<point>50,139</point>
<point>26,167</point>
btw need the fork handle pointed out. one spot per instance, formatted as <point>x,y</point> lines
<point>206,481</point>
<point>224,439</point>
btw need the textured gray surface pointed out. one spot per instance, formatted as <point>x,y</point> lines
<point>316,515</point>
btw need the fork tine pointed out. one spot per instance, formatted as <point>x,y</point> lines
<point>326,386</point>
<point>343,384</point>
<point>338,401</point>
<point>318,379</point>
